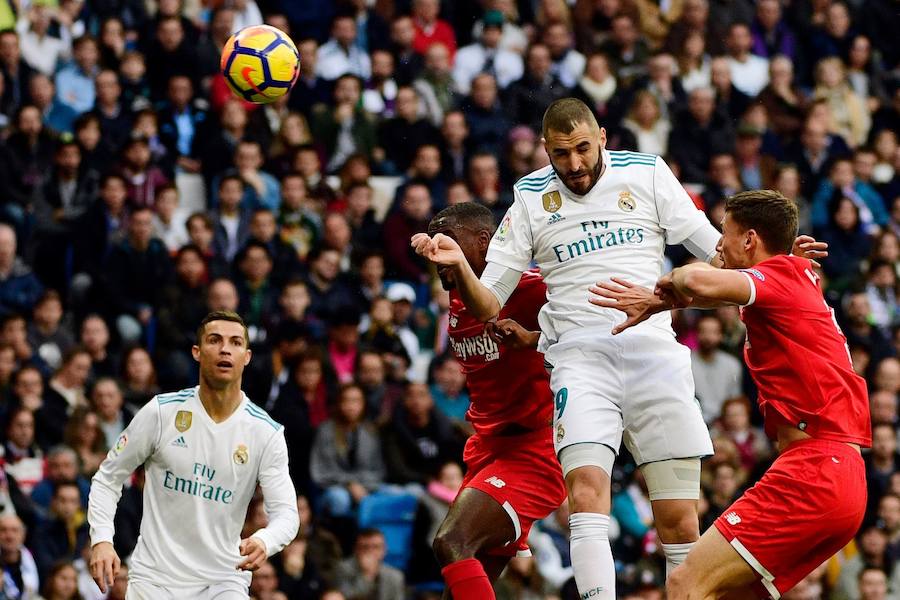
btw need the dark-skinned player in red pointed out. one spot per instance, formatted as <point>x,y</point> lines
<point>513,477</point>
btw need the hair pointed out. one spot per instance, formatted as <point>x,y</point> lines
<point>467,213</point>
<point>76,422</point>
<point>110,177</point>
<point>188,248</point>
<point>230,177</point>
<point>203,217</point>
<point>221,315</point>
<point>771,215</point>
<point>566,114</point>
<point>166,187</point>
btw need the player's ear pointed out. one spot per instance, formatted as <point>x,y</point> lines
<point>247,356</point>
<point>602,138</point>
<point>195,352</point>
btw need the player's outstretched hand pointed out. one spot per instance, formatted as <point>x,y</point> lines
<point>512,335</point>
<point>439,249</point>
<point>637,302</point>
<point>807,247</point>
<point>255,551</point>
<point>104,565</point>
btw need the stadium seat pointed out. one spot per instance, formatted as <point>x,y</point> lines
<point>393,514</point>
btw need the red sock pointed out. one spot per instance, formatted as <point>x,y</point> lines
<point>468,581</point>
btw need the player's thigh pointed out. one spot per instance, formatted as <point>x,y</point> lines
<point>476,521</point>
<point>662,418</point>
<point>227,591</point>
<point>587,387</point>
<point>142,590</point>
<point>712,568</point>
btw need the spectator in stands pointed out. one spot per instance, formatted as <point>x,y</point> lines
<point>849,117</point>
<point>412,216</point>
<point>20,572</point>
<point>256,290</point>
<point>136,271</point>
<point>858,326</point>
<point>169,222</point>
<point>814,154</point>
<point>873,584</point>
<point>139,376</point>
<point>299,576</point>
<point>201,233</point>
<point>30,157</point>
<point>83,434</point>
<point>47,333</point>
<point>182,124</point>
<point>407,62</point>
<point>872,543</point>
<point>170,54</point>
<point>487,56</point>
<point>115,118</point>
<point>62,469</point>
<point>346,456</point>
<point>66,392</point>
<point>749,72</point>
<point>487,120</point>
<point>832,36</point>
<point>455,145</point>
<point>364,575</point>
<point>311,88</point>
<point>328,287</point>
<point>13,333</point>
<point>430,29</point>
<point>881,462</point>
<point>730,100</point>
<point>94,338</point>
<point>23,460</point>
<point>770,32</point>
<point>75,82</point>
<point>113,416</point>
<point>448,387</point>
<point>345,128</point>
<point>528,98</point>
<point>627,51</point>
<point>341,55</point>
<point>142,177</point>
<point>649,126</point>
<point>435,85</point>
<point>846,232</point>
<point>231,219</point>
<point>784,102</point>
<point>567,63</point>
<point>69,190</point>
<point>698,134</point>
<point>57,116</point>
<point>65,532</point>
<point>717,374</point>
<point>16,72</point>
<point>19,287</point>
<point>419,439</point>
<point>402,135</point>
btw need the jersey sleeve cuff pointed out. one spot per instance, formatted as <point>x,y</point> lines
<point>752,289</point>
<point>102,534</point>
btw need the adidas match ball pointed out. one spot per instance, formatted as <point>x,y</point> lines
<point>260,63</point>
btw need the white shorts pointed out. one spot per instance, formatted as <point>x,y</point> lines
<point>636,385</point>
<point>227,590</point>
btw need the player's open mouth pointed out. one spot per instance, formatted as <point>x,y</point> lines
<point>224,364</point>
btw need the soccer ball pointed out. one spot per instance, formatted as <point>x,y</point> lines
<point>260,64</point>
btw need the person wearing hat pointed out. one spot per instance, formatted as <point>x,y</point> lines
<point>486,56</point>
<point>403,298</point>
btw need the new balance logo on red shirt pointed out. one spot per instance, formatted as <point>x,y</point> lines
<point>495,481</point>
<point>732,518</point>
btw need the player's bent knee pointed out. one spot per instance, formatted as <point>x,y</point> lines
<point>450,546</point>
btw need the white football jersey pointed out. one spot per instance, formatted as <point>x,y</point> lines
<point>200,478</point>
<point>618,229</point>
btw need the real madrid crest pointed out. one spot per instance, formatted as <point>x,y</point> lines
<point>183,420</point>
<point>552,201</point>
<point>626,202</point>
<point>560,433</point>
<point>241,455</point>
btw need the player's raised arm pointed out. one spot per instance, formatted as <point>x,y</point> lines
<point>132,449</point>
<point>280,504</point>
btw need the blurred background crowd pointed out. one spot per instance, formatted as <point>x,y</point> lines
<point>136,194</point>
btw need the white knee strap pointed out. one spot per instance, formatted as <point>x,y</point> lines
<point>673,479</point>
<point>587,454</point>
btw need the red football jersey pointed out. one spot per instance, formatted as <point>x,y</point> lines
<point>798,355</point>
<point>505,386</point>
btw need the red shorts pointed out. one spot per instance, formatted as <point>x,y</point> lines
<point>520,472</point>
<point>808,505</point>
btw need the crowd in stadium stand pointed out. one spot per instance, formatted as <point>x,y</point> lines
<point>136,194</point>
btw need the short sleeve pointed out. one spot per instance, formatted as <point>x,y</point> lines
<point>511,245</point>
<point>769,286</point>
<point>678,216</point>
<point>530,296</point>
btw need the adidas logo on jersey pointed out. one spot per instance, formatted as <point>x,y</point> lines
<point>555,218</point>
<point>179,443</point>
<point>732,518</point>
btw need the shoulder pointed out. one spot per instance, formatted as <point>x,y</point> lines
<point>174,398</point>
<point>536,181</point>
<point>260,417</point>
<point>636,160</point>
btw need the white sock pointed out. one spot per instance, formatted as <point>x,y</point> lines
<point>592,561</point>
<point>675,555</point>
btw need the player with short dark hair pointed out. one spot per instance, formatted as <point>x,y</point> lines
<point>812,500</point>
<point>513,476</point>
<point>205,450</point>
